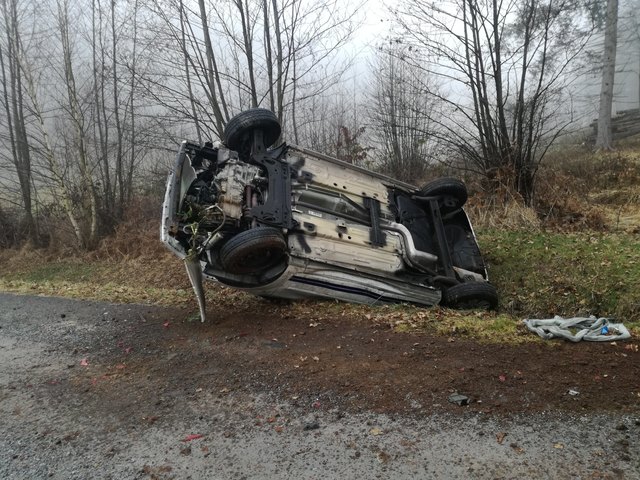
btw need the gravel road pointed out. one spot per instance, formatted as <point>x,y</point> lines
<point>83,396</point>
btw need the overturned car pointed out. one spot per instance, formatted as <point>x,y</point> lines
<point>283,221</point>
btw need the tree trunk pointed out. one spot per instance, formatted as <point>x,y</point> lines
<point>14,109</point>
<point>116,110</point>
<point>88,241</point>
<point>185,54</point>
<point>98,92</point>
<point>213,78</point>
<point>268,52</point>
<point>247,36</point>
<point>279,62</point>
<point>604,138</point>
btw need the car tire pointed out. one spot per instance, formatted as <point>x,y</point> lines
<point>471,295</point>
<point>253,251</point>
<point>452,193</point>
<point>239,128</point>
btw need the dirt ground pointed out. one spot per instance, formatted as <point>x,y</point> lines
<point>126,370</point>
<point>357,366</point>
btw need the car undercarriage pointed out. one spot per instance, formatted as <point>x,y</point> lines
<point>288,222</point>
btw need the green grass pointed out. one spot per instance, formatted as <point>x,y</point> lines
<point>60,272</point>
<point>568,274</point>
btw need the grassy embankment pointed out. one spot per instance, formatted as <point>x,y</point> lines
<point>582,258</point>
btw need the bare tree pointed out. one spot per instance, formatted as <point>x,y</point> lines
<point>505,65</point>
<point>399,113</point>
<point>14,111</point>
<point>237,54</point>
<point>86,129</point>
<point>604,139</point>
<point>87,95</point>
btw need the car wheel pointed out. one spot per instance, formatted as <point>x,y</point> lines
<point>253,251</point>
<point>471,295</point>
<point>240,127</point>
<point>452,193</point>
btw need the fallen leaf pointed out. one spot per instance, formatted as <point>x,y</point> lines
<point>559,446</point>
<point>500,437</point>
<point>128,350</point>
<point>316,359</point>
<point>502,378</point>
<point>278,428</point>
<point>383,457</point>
<point>84,362</point>
<point>632,346</point>
<point>166,324</point>
<point>193,436</point>
<point>375,431</point>
<point>516,448</point>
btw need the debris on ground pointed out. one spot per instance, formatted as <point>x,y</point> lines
<point>383,457</point>
<point>578,328</point>
<point>517,448</point>
<point>193,436</point>
<point>310,422</point>
<point>458,399</point>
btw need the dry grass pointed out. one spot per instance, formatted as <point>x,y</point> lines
<point>510,215</point>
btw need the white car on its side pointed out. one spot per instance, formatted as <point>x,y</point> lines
<point>283,221</point>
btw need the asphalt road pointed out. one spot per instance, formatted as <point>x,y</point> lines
<point>69,411</point>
